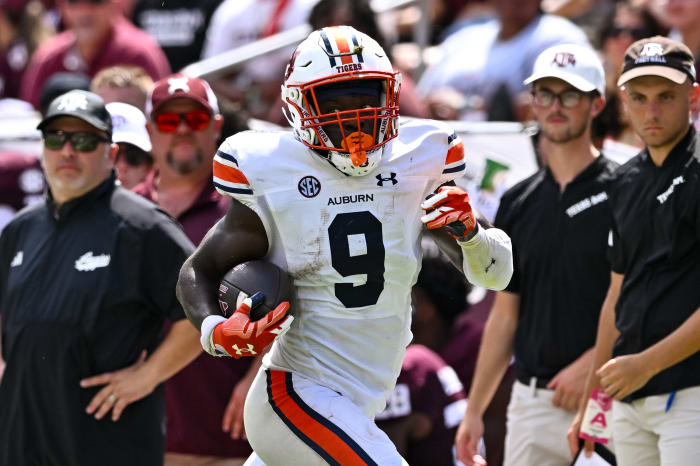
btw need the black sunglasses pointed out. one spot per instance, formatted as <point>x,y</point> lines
<point>133,155</point>
<point>635,33</point>
<point>81,141</point>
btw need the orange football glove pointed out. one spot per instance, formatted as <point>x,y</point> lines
<point>238,336</point>
<point>449,208</point>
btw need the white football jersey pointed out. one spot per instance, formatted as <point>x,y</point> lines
<point>351,245</point>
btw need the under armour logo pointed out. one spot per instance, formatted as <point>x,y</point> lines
<point>381,179</point>
<point>493,261</point>
<point>652,49</point>
<point>239,351</point>
<point>178,84</point>
<point>563,59</point>
<point>72,101</point>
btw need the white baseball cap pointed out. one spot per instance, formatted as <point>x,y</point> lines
<point>129,125</point>
<point>576,64</point>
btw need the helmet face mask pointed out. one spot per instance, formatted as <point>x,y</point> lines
<point>347,116</point>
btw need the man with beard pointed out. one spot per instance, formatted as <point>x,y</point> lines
<point>547,317</point>
<point>184,126</point>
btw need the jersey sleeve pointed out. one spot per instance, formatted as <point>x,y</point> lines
<point>454,166</point>
<point>229,179</point>
<point>232,170</point>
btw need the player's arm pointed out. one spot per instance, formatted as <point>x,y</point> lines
<point>485,252</point>
<point>237,238</point>
<point>605,339</point>
<point>495,353</point>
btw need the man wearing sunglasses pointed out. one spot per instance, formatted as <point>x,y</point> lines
<point>184,126</point>
<point>87,281</point>
<point>547,317</point>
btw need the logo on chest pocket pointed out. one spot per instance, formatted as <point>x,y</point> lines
<point>88,262</point>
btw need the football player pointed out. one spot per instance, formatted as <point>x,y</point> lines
<point>340,203</point>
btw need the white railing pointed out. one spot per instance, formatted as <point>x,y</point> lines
<point>223,63</point>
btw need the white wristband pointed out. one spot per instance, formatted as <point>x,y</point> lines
<point>207,330</point>
<point>488,258</point>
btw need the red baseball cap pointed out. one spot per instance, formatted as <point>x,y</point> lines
<point>177,86</point>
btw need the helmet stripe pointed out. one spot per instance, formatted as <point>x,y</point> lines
<point>329,49</point>
<point>343,48</point>
<point>357,47</point>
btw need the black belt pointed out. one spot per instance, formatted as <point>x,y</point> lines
<point>539,382</point>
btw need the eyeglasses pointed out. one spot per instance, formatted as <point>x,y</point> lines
<point>197,120</point>
<point>133,155</point>
<point>80,140</point>
<point>568,99</point>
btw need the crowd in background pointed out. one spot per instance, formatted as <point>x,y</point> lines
<point>479,54</point>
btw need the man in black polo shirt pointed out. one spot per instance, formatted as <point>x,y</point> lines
<point>646,354</point>
<point>87,278</point>
<point>558,220</point>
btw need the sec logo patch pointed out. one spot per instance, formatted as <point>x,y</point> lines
<point>309,186</point>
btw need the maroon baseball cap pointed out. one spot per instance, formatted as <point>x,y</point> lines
<point>178,86</point>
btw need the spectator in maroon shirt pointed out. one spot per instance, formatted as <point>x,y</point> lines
<point>205,416</point>
<point>21,183</point>
<point>424,410</point>
<point>444,322</point>
<point>98,36</point>
<point>22,29</point>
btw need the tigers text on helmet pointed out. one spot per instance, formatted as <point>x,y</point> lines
<point>336,60</point>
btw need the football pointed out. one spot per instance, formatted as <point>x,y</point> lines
<point>249,278</point>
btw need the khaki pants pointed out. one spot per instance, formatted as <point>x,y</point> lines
<point>181,459</point>
<point>536,429</point>
<point>646,435</point>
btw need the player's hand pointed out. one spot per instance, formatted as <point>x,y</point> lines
<point>573,438</point>
<point>568,385</point>
<point>623,375</point>
<point>239,336</point>
<point>470,431</point>
<point>449,208</point>
<point>121,388</point>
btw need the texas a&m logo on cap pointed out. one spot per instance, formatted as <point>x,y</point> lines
<point>652,49</point>
<point>72,101</point>
<point>178,84</point>
<point>562,59</point>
